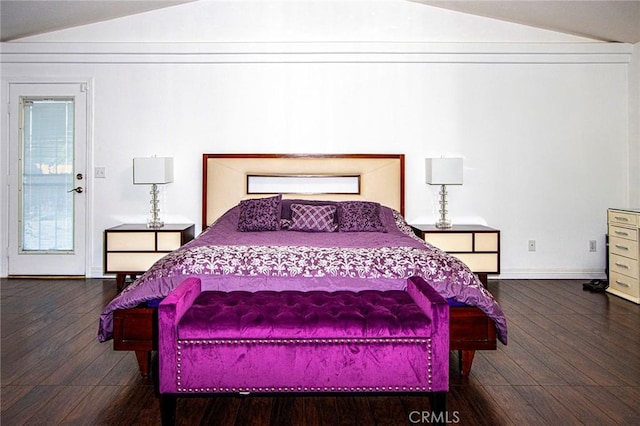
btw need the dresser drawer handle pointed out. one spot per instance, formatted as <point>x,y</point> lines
<point>624,234</point>
<point>622,265</point>
<point>622,218</point>
<point>622,284</point>
<point>622,247</point>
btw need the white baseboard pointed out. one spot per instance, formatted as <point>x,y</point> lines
<point>98,272</point>
<point>549,275</point>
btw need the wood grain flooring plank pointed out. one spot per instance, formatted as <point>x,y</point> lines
<point>9,394</point>
<point>486,372</point>
<point>127,404</point>
<point>596,351</point>
<point>320,410</point>
<point>388,410</point>
<point>78,361</point>
<point>473,405</point>
<point>577,400</point>
<point>125,373</point>
<point>625,400</point>
<point>62,404</point>
<point>254,410</point>
<point>287,411</point>
<point>552,363</point>
<point>24,407</point>
<point>354,411</point>
<point>549,408</point>
<point>509,369</point>
<point>536,368</point>
<point>149,413</point>
<point>42,362</point>
<point>221,411</point>
<point>578,357</point>
<point>519,409</point>
<point>93,407</point>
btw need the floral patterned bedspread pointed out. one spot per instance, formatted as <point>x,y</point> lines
<point>289,260</point>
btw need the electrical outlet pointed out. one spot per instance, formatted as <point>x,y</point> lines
<point>592,245</point>
<point>100,173</point>
<point>532,245</point>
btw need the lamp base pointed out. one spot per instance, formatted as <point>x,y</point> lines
<point>155,223</point>
<point>444,224</point>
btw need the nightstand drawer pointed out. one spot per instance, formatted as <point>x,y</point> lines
<point>169,241</point>
<point>131,241</point>
<point>486,241</point>
<point>624,286</point>
<point>622,247</point>
<point>623,218</point>
<point>623,265</point>
<point>451,242</point>
<point>134,262</point>
<point>626,233</point>
<point>480,262</point>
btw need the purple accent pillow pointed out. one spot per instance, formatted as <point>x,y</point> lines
<point>310,218</point>
<point>287,202</point>
<point>359,216</point>
<point>260,214</point>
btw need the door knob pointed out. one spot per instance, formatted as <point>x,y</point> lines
<point>77,189</point>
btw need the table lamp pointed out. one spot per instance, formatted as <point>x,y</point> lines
<point>154,171</point>
<point>443,172</point>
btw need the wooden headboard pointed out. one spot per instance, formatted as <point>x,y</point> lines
<point>225,177</point>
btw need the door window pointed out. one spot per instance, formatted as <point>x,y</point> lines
<point>46,163</point>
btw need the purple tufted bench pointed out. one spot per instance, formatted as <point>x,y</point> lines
<point>213,342</point>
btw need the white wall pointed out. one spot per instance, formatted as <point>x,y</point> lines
<point>543,127</point>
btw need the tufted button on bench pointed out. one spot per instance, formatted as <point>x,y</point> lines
<point>213,342</point>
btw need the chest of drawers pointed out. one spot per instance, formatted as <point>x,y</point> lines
<point>624,253</point>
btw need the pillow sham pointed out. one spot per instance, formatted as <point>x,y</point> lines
<point>287,202</point>
<point>359,216</point>
<point>312,218</point>
<point>260,214</point>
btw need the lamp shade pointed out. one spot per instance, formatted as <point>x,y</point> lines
<point>443,171</point>
<point>149,170</point>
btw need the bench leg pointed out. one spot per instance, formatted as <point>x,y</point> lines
<point>168,409</point>
<point>438,402</point>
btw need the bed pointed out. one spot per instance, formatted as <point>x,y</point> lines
<point>258,236</point>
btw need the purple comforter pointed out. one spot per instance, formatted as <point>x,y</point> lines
<point>225,259</point>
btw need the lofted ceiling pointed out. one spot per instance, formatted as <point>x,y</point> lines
<point>24,18</point>
<point>604,20</point>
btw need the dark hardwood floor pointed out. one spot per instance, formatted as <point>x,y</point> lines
<point>573,358</point>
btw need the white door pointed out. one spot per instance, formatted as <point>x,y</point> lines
<point>47,194</point>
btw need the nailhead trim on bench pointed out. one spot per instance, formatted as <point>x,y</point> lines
<point>303,388</point>
<point>360,340</point>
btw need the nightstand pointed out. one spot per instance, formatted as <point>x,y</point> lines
<point>131,249</point>
<point>478,246</point>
